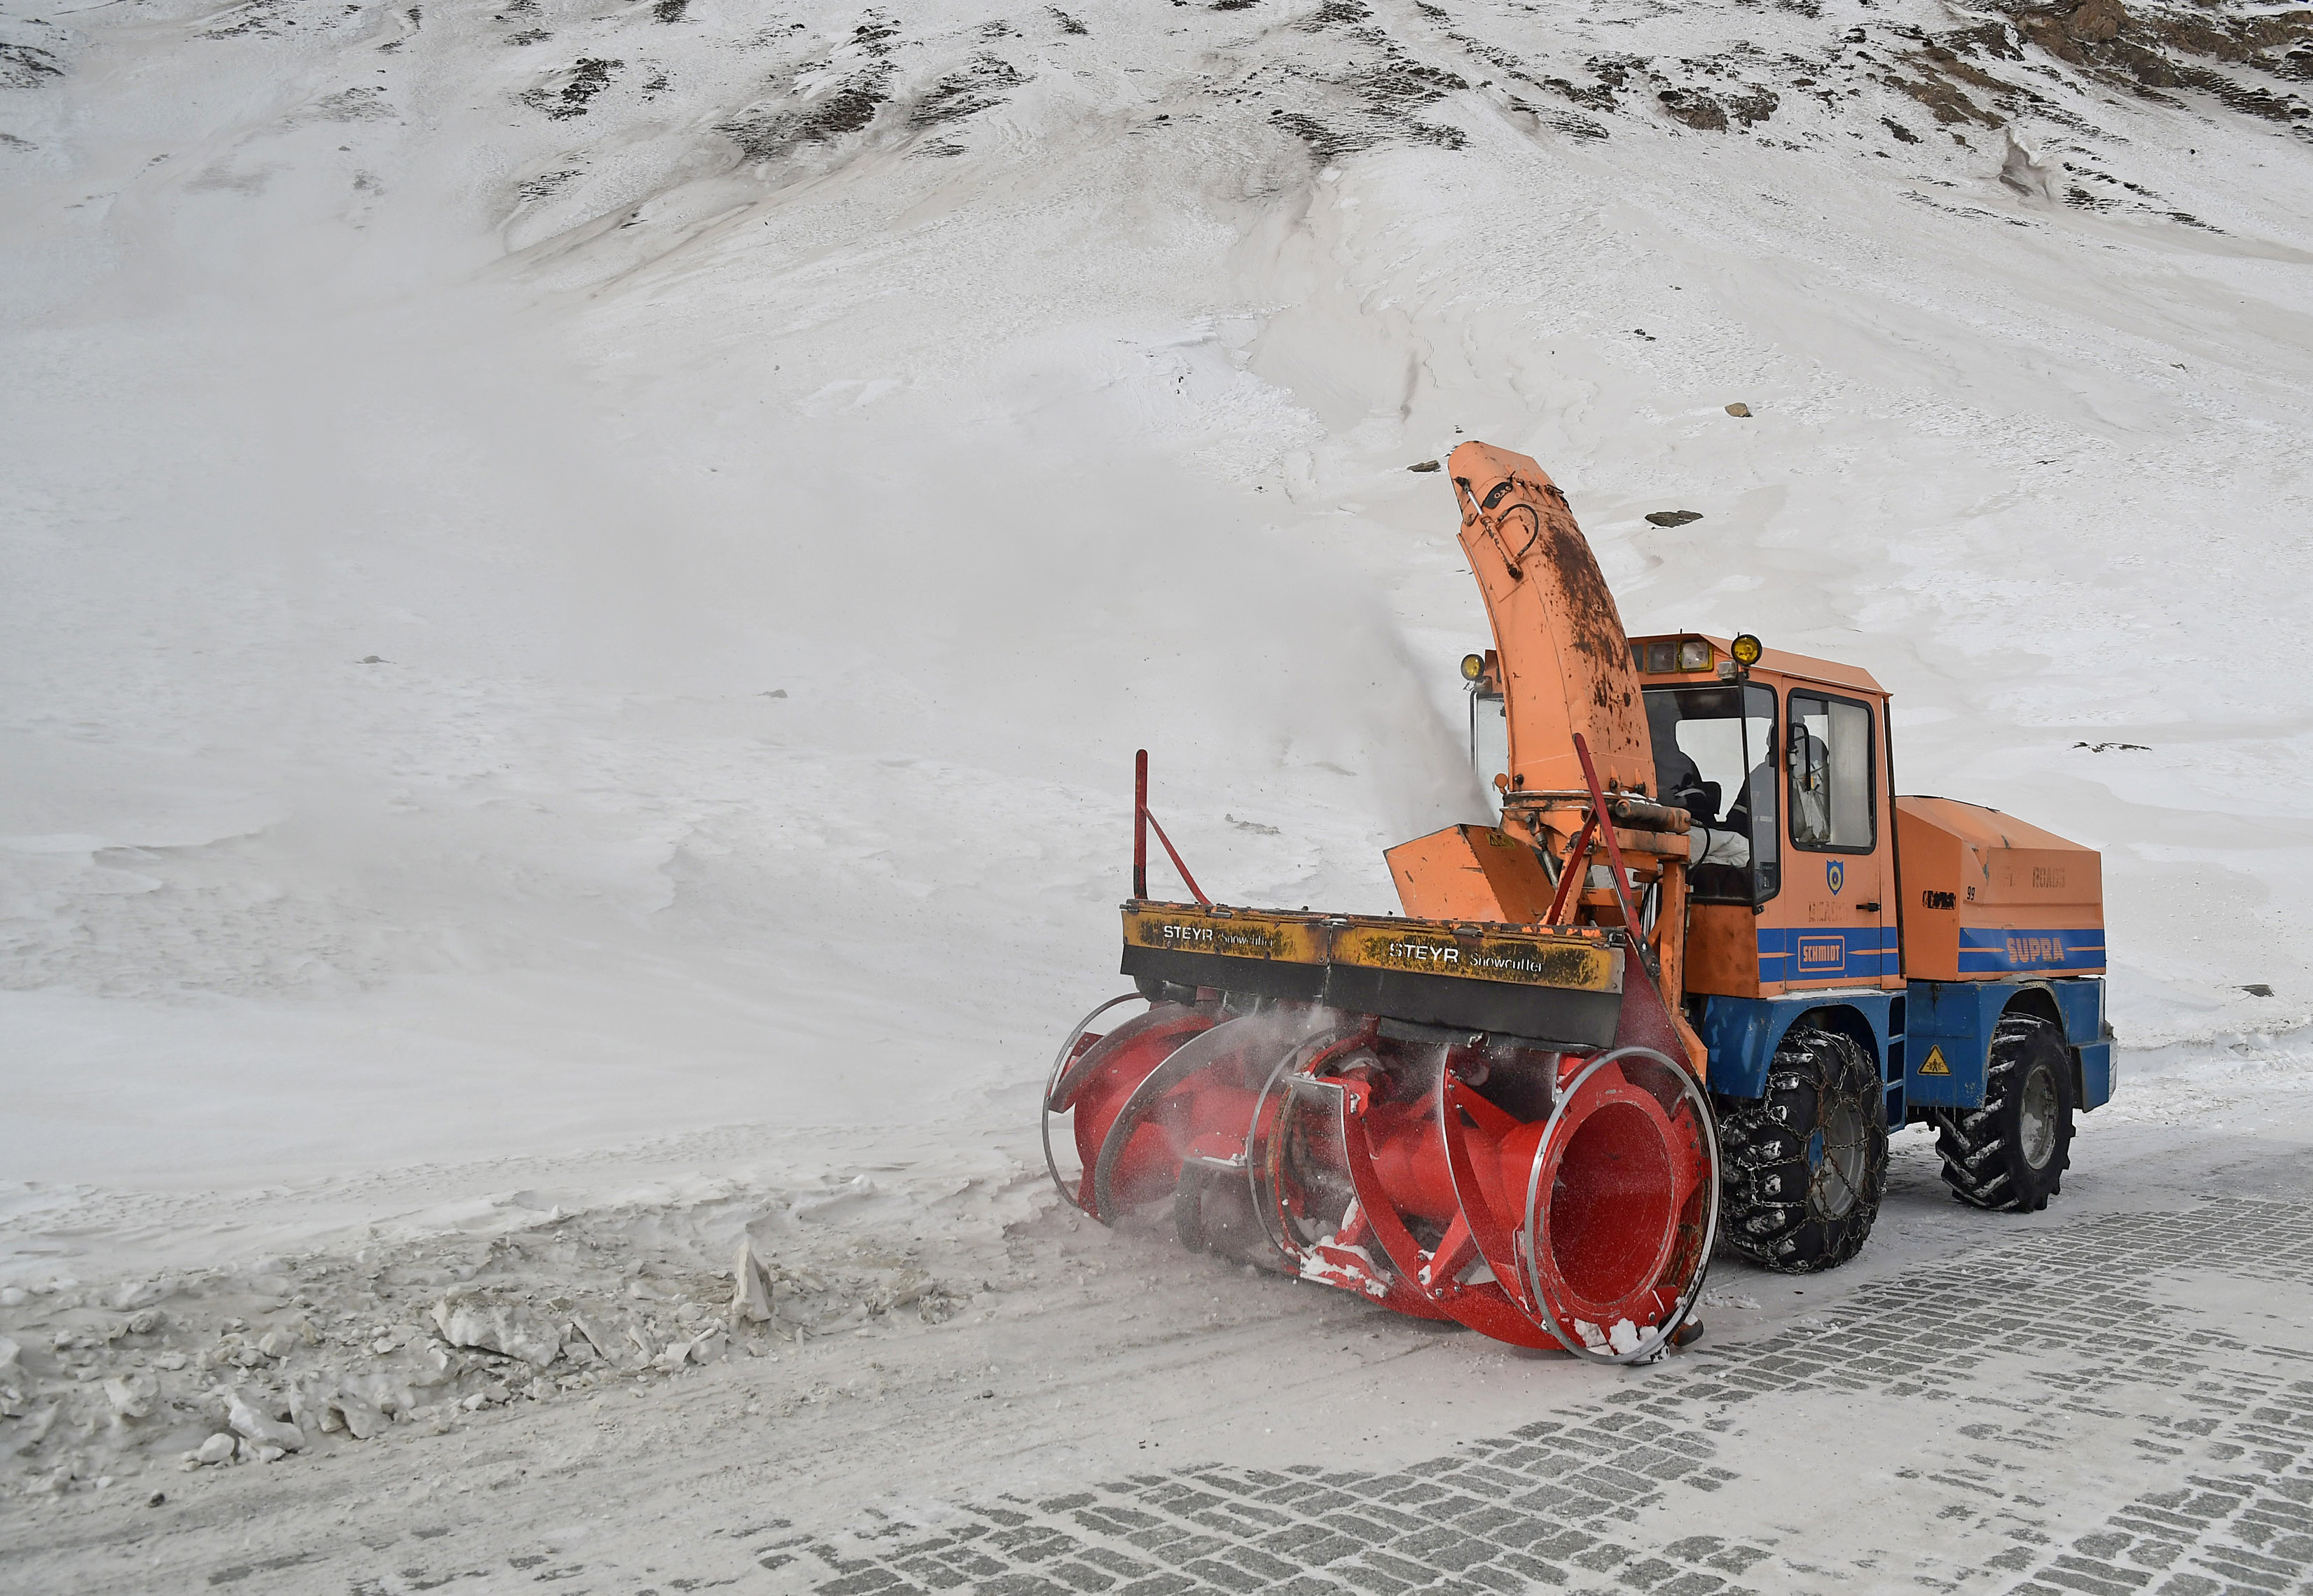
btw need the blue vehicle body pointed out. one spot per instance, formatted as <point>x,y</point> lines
<point>1931,1041</point>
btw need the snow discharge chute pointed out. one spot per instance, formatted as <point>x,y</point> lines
<point>1485,1111</point>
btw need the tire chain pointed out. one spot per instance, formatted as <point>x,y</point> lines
<point>1764,1154</point>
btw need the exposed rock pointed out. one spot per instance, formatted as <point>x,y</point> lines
<point>139,1294</point>
<point>1674,517</point>
<point>750,1284</point>
<point>1697,109</point>
<point>611,1347</point>
<point>976,88</point>
<point>131,1396</point>
<point>1740,409</point>
<point>249,1416</point>
<point>499,1324</point>
<point>2096,22</point>
<point>217,1448</point>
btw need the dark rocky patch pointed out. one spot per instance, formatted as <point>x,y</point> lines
<point>259,17</point>
<point>871,34</point>
<point>764,135</point>
<point>544,186</point>
<point>1565,122</point>
<point>847,110</point>
<point>1402,84</point>
<point>1597,97</point>
<point>1991,39</point>
<point>1327,144</point>
<point>1697,109</point>
<point>1492,55</point>
<point>589,76</point>
<point>23,65</point>
<point>965,93</point>
<point>2155,50</point>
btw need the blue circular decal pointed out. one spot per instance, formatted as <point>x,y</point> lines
<point>1834,874</point>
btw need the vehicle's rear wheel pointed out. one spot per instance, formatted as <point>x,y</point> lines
<point>1804,1165</point>
<point>2011,1154</point>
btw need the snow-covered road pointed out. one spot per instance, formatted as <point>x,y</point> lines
<point>2119,1391</point>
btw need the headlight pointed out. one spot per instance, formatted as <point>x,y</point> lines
<point>1747,650</point>
<point>1473,666</point>
<point>1693,655</point>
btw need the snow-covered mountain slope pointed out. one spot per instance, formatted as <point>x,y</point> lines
<point>584,574</point>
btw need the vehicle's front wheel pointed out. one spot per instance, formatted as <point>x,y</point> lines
<point>1803,1167</point>
<point>2011,1154</point>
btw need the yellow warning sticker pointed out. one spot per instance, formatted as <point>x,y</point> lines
<point>1935,1064</point>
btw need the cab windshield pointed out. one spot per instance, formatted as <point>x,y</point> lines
<point>1705,740</point>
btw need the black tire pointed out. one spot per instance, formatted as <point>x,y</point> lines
<point>1804,1167</point>
<point>2011,1155</point>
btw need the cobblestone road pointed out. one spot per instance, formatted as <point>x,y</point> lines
<point>2119,1406</point>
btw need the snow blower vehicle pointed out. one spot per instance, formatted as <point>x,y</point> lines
<point>1679,990</point>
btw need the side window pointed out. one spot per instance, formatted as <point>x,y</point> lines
<point>1714,750</point>
<point>1828,754</point>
